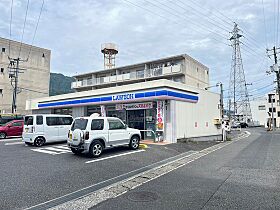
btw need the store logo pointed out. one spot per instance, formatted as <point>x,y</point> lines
<point>122,97</point>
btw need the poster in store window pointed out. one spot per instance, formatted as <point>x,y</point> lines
<point>160,116</point>
<point>103,111</point>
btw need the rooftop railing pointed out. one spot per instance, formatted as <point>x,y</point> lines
<point>135,75</point>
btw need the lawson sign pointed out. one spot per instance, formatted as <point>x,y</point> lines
<point>161,94</point>
<point>123,97</point>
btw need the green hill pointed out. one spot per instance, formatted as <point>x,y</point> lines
<point>60,84</point>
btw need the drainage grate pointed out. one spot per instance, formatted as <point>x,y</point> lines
<point>142,196</point>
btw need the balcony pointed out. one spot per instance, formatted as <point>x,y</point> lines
<point>138,75</point>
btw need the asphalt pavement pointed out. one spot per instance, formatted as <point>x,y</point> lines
<point>242,175</point>
<point>30,175</point>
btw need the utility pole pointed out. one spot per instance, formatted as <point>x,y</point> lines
<point>14,72</point>
<point>221,100</point>
<point>275,68</point>
<point>272,113</point>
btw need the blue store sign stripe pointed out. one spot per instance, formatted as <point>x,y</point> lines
<point>124,97</point>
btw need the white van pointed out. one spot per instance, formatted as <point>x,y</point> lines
<point>40,129</point>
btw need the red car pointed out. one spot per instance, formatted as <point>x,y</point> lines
<point>12,128</point>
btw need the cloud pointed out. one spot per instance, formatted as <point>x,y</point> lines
<point>74,31</point>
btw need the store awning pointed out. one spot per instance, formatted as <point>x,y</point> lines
<point>134,96</point>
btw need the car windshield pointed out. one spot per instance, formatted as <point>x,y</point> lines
<point>4,124</point>
<point>79,124</point>
<point>28,120</point>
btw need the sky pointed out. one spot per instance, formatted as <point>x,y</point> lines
<point>151,29</point>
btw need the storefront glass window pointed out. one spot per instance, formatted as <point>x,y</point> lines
<point>93,109</point>
<point>66,111</point>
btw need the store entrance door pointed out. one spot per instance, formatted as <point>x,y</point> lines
<point>136,119</point>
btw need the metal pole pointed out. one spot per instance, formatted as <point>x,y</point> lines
<point>272,115</point>
<point>277,72</point>
<point>222,101</point>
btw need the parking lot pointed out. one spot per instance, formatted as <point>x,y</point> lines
<point>31,175</point>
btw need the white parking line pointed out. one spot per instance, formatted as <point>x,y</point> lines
<point>8,140</point>
<point>113,156</point>
<point>45,151</point>
<point>14,143</point>
<point>57,149</point>
<point>53,150</point>
<point>63,147</point>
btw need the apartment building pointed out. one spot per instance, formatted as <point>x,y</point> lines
<point>180,68</point>
<point>33,79</point>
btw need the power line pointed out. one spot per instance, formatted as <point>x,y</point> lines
<point>164,6</point>
<point>264,22</point>
<point>261,88</point>
<point>227,22</point>
<point>36,28</point>
<point>252,50</point>
<point>277,23</point>
<point>202,15</point>
<point>274,18</point>
<point>176,22</point>
<point>11,20</point>
<point>32,90</point>
<point>251,44</point>
<point>26,12</point>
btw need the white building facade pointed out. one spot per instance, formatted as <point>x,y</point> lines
<point>259,109</point>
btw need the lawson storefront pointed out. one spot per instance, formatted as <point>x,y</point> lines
<point>144,110</point>
<point>164,109</point>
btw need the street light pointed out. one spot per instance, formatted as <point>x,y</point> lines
<point>221,97</point>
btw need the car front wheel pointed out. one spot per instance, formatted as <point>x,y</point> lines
<point>134,142</point>
<point>96,149</point>
<point>2,135</point>
<point>39,141</point>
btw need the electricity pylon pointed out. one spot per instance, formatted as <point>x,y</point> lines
<point>238,92</point>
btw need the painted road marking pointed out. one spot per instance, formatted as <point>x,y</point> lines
<point>14,143</point>
<point>8,140</point>
<point>54,150</point>
<point>113,156</point>
<point>45,151</point>
<point>49,204</point>
<point>58,150</point>
<point>121,187</point>
<point>63,147</point>
<point>143,146</point>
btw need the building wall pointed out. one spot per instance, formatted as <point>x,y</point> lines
<point>276,107</point>
<point>197,75</point>
<point>197,119</point>
<point>259,109</point>
<point>193,73</point>
<point>36,76</point>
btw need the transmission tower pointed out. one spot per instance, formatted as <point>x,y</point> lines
<point>238,92</point>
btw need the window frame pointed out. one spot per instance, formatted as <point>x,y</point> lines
<point>12,124</point>
<point>41,120</point>
<point>102,124</point>
<point>56,121</point>
<point>116,120</point>
<point>28,119</point>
